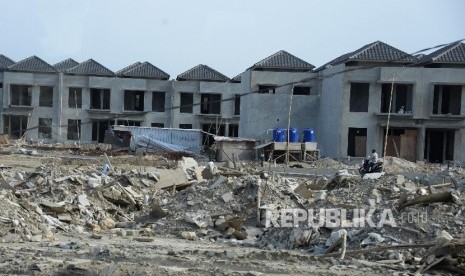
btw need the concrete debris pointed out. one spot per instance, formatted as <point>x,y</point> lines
<point>373,175</point>
<point>335,235</point>
<point>227,197</point>
<point>69,203</point>
<point>443,239</point>
<point>320,196</point>
<point>188,235</point>
<point>201,218</point>
<point>373,238</point>
<point>82,200</point>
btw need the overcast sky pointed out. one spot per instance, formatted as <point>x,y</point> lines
<point>229,36</point>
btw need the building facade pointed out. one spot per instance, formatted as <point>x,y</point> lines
<point>379,97</point>
<point>77,102</point>
<point>376,97</point>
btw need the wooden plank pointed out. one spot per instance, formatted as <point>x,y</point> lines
<point>407,147</point>
<point>360,146</point>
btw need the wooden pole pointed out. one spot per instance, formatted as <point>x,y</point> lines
<point>289,126</point>
<point>389,118</point>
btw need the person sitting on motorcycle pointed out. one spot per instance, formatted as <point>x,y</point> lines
<point>373,159</point>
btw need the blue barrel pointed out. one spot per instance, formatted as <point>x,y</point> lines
<point>293,135</point>
<point>309,135</point>
<point>278,135</point>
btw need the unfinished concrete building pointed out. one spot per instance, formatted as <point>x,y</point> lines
<point>376,89</point>
<point>77,102</point>
<point>273,88</point>
<point>206,100</point>
<point>362,100</point>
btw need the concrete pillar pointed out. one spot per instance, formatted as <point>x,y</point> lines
<point>226,129</point>
<point>59,109</point>
<point>148,96</point>
<point>172,104</point>
<point>35,95</point>
<point>420,155</point>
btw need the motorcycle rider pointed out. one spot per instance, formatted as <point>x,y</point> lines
<point>374,156</point>
<point>373,159</point>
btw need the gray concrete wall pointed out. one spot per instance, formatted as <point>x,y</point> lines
<point>35,80</point>
<point>330,113</point>
<point>361,119</point>
<point>336,97</point>
<point>226,89</point>
<point>72,113</point>
<point>263,112</point>
<point>2,95</point>
<point>185,118</point>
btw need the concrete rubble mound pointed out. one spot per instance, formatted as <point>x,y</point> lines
<point>323,219</point>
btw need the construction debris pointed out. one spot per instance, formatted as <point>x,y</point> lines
<point>384,223</point>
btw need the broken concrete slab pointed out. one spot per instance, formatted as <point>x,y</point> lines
<point>82,200</point>
<point>373,175</point>
<point>227,197</point>
<point>303,191</point>
<point>400,179</point>
<point>54,207</point>
<point>189,235</point>
<point>200,218</point>
<point>220,180</point>
<point>65,217</point>
<point>170,178</point>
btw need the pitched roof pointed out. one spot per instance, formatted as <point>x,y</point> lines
<point>90,67</point>
<point>5,62</point>
<point>202,72</point>
<point>66,64</point>
<point>284,61</point>
<point>374,52</point>
<point>146,70</point>
<point>127,68</point>
<point>452,53</point>
<point>237,78</point>
<point>32,64</point>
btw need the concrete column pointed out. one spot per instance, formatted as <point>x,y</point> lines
<point>226,129</point>
<point>59,109</point>
<point>420,154</point>
<point>148,96</point>
<point>35,95</point>
<point>172,104</point>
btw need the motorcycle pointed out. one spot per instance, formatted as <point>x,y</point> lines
<point>370,167</point>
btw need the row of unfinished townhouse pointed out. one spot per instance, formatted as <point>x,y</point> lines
<point>374,96</point>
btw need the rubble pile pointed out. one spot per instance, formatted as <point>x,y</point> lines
<point>413,225</point>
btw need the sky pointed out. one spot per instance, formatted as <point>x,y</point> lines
<point>229,36</point>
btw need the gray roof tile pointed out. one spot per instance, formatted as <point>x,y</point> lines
<point>282,60</point>
<point>237,78</point>
<point>452,53</point>
<point>92,68</point>
<point>146,70</point>
<point>202,72</point>
<point>66,64</point>
<point>32,64</point>
<point>374,52</point>
<point>5,62</point>
<point>127,68</point>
